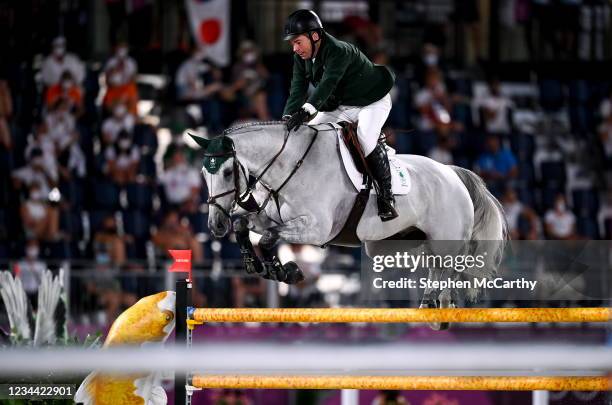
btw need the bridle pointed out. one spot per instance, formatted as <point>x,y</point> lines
<point>246,200</point>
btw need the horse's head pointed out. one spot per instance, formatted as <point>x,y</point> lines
<point>222,173</point>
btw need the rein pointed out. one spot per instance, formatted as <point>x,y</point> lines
<point>246,200</point>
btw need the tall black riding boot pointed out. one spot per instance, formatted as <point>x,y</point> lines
<point>379,165</point>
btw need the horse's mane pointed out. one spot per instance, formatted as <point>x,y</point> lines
<point>239,127</point>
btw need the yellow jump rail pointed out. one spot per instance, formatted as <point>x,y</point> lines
<point>513,383</point>
<point>398,315</point>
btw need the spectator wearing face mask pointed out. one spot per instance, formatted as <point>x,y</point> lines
<point>497,165</point>
<point>66,90</point>
<point>61,124</point>
<point>429,60</point>
<point>109,246</point>
<point>121,120</point>
<point>515,211</point>
<point>120,75</point>
<point>40,219</point>
<point>30,270</point>
<point>198,81</point>
<point>495,109</point>
<point>35,172</point>
<point>560,222</point>
<point>122,159</point>
<point>249,82</point>
<point>435,105</point>
<point>60,61</point>
<point>181,183</point>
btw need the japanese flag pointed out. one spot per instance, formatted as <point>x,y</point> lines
<point>210,21</point>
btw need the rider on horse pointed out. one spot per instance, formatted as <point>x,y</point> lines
<point>348,87</point>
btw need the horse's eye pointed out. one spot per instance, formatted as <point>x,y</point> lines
<point>227,173</point>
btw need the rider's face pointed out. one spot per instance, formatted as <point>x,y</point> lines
<point>302,46</point>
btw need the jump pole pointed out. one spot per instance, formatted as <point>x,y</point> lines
<point>463,383</point>
<point>400,315</point>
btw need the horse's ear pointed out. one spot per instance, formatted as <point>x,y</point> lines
<point>200,140</point>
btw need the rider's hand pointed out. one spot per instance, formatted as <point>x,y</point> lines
<point>301,116</point>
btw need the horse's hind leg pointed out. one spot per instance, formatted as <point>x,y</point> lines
<point>436,298</point>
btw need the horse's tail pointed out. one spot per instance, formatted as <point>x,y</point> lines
<point>490,231</point>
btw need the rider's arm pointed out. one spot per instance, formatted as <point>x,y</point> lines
<point>299,87</point>
<point>335,67</point>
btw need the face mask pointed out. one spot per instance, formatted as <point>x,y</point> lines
<point>32,252</point>
<point>122,52</point>
<point>249,57</point>
<point>37,195</point>
<point>66,84</point>
<point>120,111</point>
<point>125,144</point>
<point>37,161</point>
<point>431,59</point>
<point>560,206</point>
<point>115,79</point>
<point>102,258</point>
<point>59,51</point>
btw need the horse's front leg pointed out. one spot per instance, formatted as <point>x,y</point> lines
<point>251,262</point>
<point>288,273</point>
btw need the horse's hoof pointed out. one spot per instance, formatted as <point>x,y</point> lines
<point>293,274</point>
<point>254,267</point>
<point>435,325</point>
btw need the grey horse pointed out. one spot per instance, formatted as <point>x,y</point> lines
<point>303,195</point>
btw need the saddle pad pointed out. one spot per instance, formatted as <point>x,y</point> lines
<point>400,181</point>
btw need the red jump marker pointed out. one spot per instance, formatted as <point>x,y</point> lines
<point>182,262</point>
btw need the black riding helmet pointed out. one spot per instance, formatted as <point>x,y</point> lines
<point>303,22</point>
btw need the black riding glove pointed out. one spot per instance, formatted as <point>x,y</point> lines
<point>298,118</point>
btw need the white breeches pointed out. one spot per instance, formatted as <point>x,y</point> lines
<point>370,120</point>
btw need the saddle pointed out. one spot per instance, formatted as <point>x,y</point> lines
<point>348,234</point>
<point>349,135</point>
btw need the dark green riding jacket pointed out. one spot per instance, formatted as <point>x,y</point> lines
<point>341,75</point>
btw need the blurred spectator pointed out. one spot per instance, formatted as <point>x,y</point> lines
<point>35,172</point>
<point>121,120</point>
<point>40,219</point>
<point>434,105</point>
<point>390,397</point>
<point>109,246</point>
<point>497,165</point>
<point>6,112</point>
<point>495,110</point>
<point>604,217</point>
<point>68,90</point>
<point>172,234</point>
<point>232,397</point>
<point>30,270</point>
<point>605,109</point>
<point>58,62</point>
<point>120,75</point>
<point>429,60</point>
<point>198,81</point>
<point>61,124</point>
<point>122,159</point>
<point>560,222</point>
<point>516,211</point>
<point>249,77</point>
<point>605,135</point>
<point>182,183</point>
<point>442,152</point>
